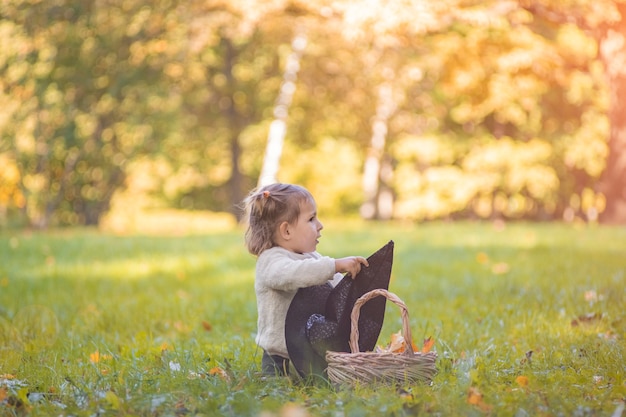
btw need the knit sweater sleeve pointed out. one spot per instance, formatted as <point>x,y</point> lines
<point>280,269</point>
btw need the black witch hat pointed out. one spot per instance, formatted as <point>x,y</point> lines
<point>318,318</point>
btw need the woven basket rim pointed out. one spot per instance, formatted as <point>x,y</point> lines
<point>379,354</point>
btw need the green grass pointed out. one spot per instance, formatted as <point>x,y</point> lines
<point>98,324</point>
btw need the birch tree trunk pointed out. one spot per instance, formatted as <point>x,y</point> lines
<point>378,202</point>
<point>278,127</point>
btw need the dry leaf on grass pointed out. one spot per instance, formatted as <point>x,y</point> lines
<point>475,397</point>
<point>522,380</point>
<point>219,372</point>
<point>587,319</point>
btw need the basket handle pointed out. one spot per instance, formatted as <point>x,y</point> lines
<point>356,311</point>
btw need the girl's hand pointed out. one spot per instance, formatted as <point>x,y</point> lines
<point>350,265</point>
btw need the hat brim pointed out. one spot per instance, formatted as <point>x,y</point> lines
<point>318,318</point>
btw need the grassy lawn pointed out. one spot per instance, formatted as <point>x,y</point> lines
<point>528,320</point>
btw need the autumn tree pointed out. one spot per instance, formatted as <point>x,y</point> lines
<point>230,79</point>
<point>83,84</point>
<point>417,110</point>
<point>605,22</point>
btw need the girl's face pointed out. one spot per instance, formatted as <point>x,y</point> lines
<point>305,233</point>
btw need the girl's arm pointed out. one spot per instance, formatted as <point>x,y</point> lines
<point>284,273</point>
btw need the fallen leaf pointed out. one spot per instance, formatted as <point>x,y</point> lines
<point>586,319</point>
<point>474,397</point>
<point>428,344</point>
<point>219,372</point>
<point>3,394</point>
<point>522,380</point>
<point>96,357</point>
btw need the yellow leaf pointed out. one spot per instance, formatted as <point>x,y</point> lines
<point>522,380</point>
<point>22,395</point>
<point>96,357</point>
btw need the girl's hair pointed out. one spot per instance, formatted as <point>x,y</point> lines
<point>266,208</point>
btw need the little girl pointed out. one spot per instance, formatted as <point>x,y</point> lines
<point>283,232</point>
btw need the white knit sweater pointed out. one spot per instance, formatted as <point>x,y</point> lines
<point>279,274</point>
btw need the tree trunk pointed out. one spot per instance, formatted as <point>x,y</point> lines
<point>235,127</point>
<point>613,181</point>
<point>236,177</point>
<point>278,128</point>
<point>373,161</point>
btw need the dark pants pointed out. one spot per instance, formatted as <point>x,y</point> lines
<point>274,365</point>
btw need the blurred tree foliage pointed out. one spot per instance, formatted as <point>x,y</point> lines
<point>493,109</point>
<point>84,95</point>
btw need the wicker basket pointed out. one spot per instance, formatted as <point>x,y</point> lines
<point>382,367</point>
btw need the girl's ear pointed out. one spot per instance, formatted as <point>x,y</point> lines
<point>283,231</point>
